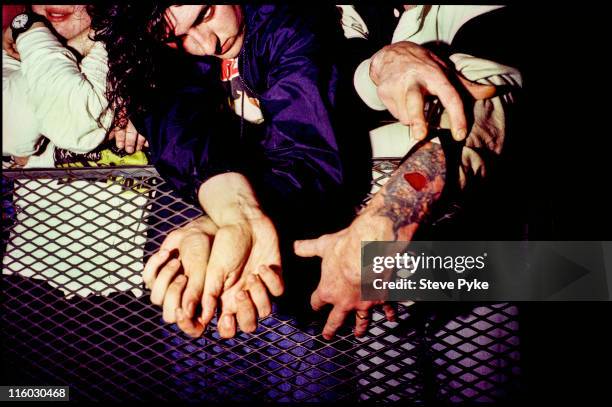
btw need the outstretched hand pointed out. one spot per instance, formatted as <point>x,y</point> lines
<point>340,283</point>
<point>233,257</point>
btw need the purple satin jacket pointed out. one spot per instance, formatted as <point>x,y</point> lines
<point>291,158</point>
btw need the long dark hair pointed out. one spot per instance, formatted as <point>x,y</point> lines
<point>132,33</point>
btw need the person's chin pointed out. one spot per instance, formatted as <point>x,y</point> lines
<point>68,35</point>
<point>234,49</point>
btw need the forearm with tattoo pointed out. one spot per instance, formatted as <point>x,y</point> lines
<point>408,196</point>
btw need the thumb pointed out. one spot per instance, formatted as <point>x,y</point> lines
<point>308,248</point>
<point>478,91</point>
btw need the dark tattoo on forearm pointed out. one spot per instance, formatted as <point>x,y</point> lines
<point>413,188</point>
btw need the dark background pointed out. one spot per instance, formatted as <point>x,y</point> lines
<point>566,346</point>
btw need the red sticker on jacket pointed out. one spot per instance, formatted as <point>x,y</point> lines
<point>416,180</point>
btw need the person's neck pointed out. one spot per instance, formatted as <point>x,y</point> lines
<point>82,43</point>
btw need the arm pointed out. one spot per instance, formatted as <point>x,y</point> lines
<point>20,132</point>
<point>197,149</point>
<point>66,100</point>
<point>240,266</point>
<point>395,213</point>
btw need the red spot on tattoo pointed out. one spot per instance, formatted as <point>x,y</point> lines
<point>416,180</point>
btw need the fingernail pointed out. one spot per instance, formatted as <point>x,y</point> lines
<point>251,279</point>
<point>241,295</point>
<point>163,252</point>
<point>181,279</point>
<point>419,131</point>
<point>226,321</point>
<point>460,134</point>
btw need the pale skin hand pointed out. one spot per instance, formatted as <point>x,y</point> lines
<point>128,138</point>
<point>252,249</point>
<point>405,73</point>
<point>192,244</point>
<point>340,283</point>
<point>9,45</point>
<point>238,262</point>
<point>239,272</point>
<point>179,293</point>
<point>394,213</point>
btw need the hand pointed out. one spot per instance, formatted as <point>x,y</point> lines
<point>178,294</point>
<point>128,138</point>
<point>9,45</point>
<point>190,246</point>
<point>242,301</point>
<point>240,259</point>
<point>405,73</point>
<point>245,245</point>
<point>247,300</point>
<point>244,265</point>
<point>340,283</point>
<point>21,161</point>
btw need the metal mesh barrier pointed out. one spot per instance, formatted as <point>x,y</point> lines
<point>74,312</point>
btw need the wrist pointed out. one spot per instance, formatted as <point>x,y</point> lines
<point>228,199</point>
<point>203,224</point>
<point>366,88</point>
<point>24,22</point>
<point>372,227</point>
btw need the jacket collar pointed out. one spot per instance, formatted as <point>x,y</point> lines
<point>257,17</point>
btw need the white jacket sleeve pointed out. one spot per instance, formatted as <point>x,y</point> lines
<point>66,100</point>
<point>488,131</point>
<point>20,129</point>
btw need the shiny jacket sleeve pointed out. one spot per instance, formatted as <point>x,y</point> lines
<point>190,138</point>
<point>301,176</point>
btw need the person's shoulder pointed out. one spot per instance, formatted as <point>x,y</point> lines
<point>294,19</point>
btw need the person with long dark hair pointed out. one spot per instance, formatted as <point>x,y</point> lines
<point>54,115</point>
<point>269,164</point>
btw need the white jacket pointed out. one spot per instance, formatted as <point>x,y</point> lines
<point>49,93</point>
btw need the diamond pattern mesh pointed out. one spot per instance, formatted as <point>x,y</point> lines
<point>74,312</point>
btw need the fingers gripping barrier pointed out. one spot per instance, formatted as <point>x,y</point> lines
<point>74,312</point>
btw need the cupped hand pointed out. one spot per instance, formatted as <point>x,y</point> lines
<point>406,73</point>
<point>340,283</point>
